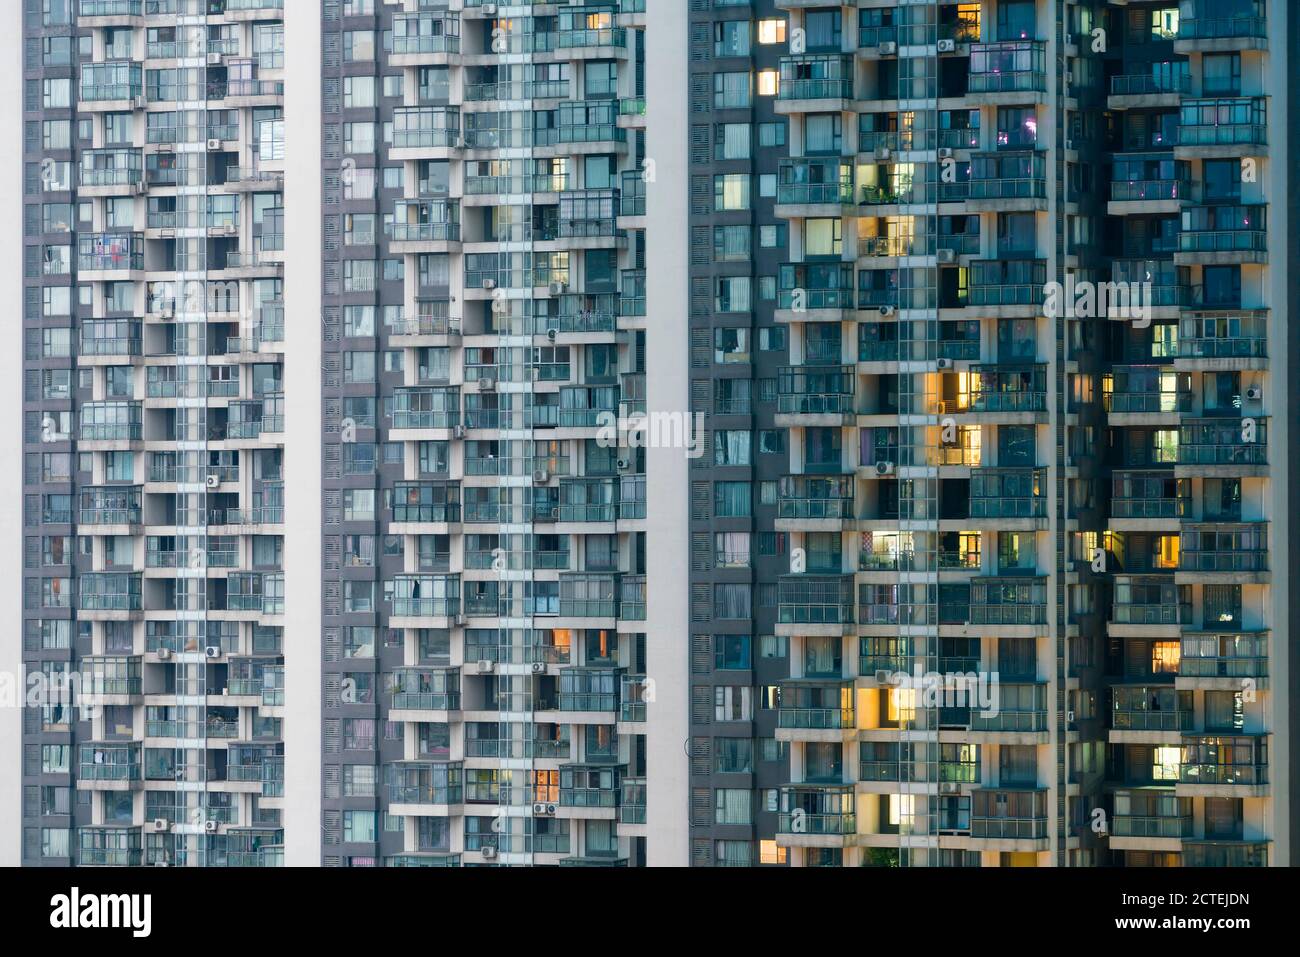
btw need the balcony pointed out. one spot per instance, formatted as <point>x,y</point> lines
<point>1008,181</point>
<point>1150,708</point>
<point>416,783</point>
<point>1000,283</point>
<point>118,676</point>
<point>110,170</point>
<point>113,766</point>
<point>1147,600</point>
<point>424,225</point>
<point>1223,335</point>
<point>109,846</point>
<point>814,182</point>
<point>1162,85</point>
<point>108,338</point>
<point>1222,446</point>
<point>1215,656</point>
<point>1223,551</point>
<point>1008,601</point>
<point>425,689</point>
<point>110,252</point>
<point>114,83</point>
<point>1211,853</point>
<point>816,391</point>
<point>816,705</point>
<point>806,287</point>
<point>110,505</point>
<point>814,81</point>
<point>1207,27</point>
<point>1007,72</point>
<point>1222,128</point>
<point>816,811</point>
<point>588,689</point>
<point>1004,814</point>
<point>109,592</point>
<point>1008,493</point>
<point>1003,389</point>
<point>426,408</point>
<point>1149,496</point>
<point>1212,235</point>
<point>588,595</point>
<point>426,502</point>
<point>426,127</point>
<point>426,596</point>
<point>589,786</point>
<point>1143,815</point>
<point>588,214</point>
<point>1220,765</point>
<point>1170,285</point>
<point>815,600</point>
<point>415,36</point>
<point>808,498</point>
<point>1145,394</point>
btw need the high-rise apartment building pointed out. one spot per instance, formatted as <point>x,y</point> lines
<point>982,568</point>
<point>484,531</point>
<point>337,320</point>
<point>152,448</point>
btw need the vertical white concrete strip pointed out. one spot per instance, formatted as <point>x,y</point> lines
<point>302,447</point>
<point>1278,401</point>
<point>667,478</point>
<point>11,436</point>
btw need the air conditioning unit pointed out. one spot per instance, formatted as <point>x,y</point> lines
<point>624,465</point>
<point>539,809</point>
<point>213,480</point>
<point>538,668</point>
<point>946,46</point>
<point>541,477</point>
<point>489,283</point>
<point>489,850</point>
<point>459,620</point>
<point>214,59</point>
<point>140,188</point>
<point>161,824</point>
<point>212,651</point>
<point>884,468</point>
<point>884,676</point>
<point>214,143</point>
<point>888,48</point>
<point>138,103</point>
<point>1254,393</point>
<point>486,666</point>
<point>164,654</point>
<point>487,384</point>
<point>552,334</point>
<point>943,362</point>
<point>886,310</point>
<point>945,152</point>
<point>949,787</point>
<point>559,288</point>
<point>884,153</point>
<point>460,143</point>
<point>1069,717</point>
<point>490,9</point>
<point>945,255</point>
<point>458,431</point>
<point>210,826</point>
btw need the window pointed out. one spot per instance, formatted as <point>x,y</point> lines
<point>731,192</point>
<point>771,31</point>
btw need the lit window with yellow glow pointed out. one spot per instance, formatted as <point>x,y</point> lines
<point>771,31</point>
<point>769,81</point>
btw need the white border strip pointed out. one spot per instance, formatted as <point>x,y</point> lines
<point>668,477</point>
<point>302,448</point>
<point>11,437</point>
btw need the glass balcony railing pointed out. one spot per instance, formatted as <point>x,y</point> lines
<point>815,390</point>
<point>1013,66</point>
<point>813,599</point>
